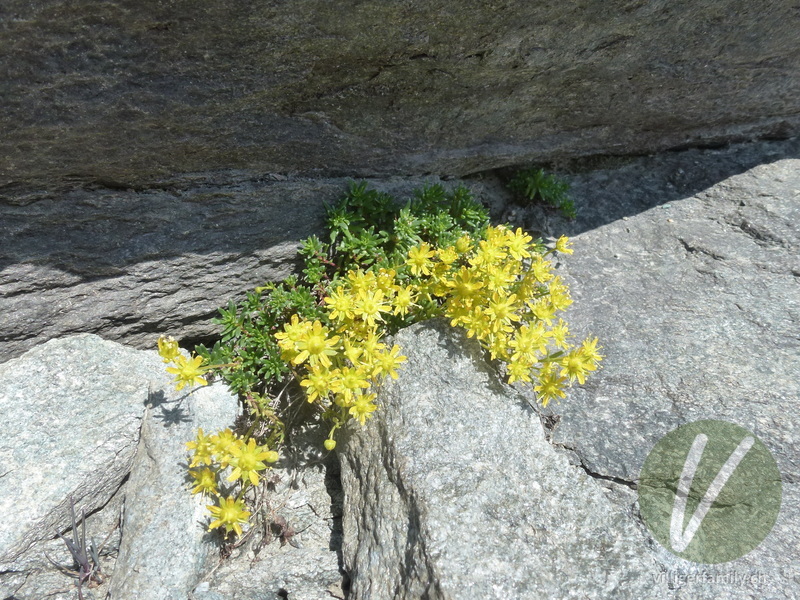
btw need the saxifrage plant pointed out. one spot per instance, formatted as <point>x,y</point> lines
<point>383,266</point>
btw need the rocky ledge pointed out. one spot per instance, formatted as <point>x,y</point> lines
<point>459,487</point>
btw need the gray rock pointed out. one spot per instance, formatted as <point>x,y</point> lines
<point>452,491</point>
<point>134,265</point>
<point>166,547</point>
<point>305,499</point>
<point>72,410</point>
<point>695,301</point>
<point>127,94</point>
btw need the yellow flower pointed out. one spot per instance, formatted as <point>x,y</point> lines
<point>361,280</point>
<point>489,253</point>
<point>475,322</point>
<point>517,244</point>
<point>404,299</point>
<point>500,277</point>
<point>319,382</point>
<point>206,481</point>
<point>576,365</point>
<point>419,259</point>
<point>168,349</point>
<point>188,371</point>
<point>550,385</point>
<point>501,311</point>
<point>448,255</point>
<point>340,304</point>
<point>559,294</point>
<point>543,309</point>
<point>369,306</point>
<point>292,331</point>
<point>203,447</point>
<point>591,351</point>
<point>465,284</point>
<point>222,443</point>
<point>350,382</point>
<point>560,333</point>
<point>248,459</point>
<point>563,245</point>
<point>230,514</point>
<point>315,346</point>
<point>518,371</point>
<point>352,349</point>
<point>371,345</point>
<point>363,407</point>
<point>387,362</point>
<point>385,280</point>
<point>497,343</point>
<point>528,341</point>
<point>541,269</point>
<point>463,244</point>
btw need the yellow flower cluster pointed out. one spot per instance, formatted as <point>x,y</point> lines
<point>341,364</point>
<point>503,291</point>
<point>187,371</point>
<point>211,455</point>
<point>215,454</point>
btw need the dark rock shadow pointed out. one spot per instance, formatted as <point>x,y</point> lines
<point>609,188</point>
<point>169,412</point>
<point>94,233</point>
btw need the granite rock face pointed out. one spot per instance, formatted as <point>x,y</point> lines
<point>100,423</point>
<point>452,491</point>
<point>73,419</point>
<point>305,502</point>
<point>127,93</point>
<point>135,265</point>
<point>696,302</point>
<point>164,548</point>
<point>686,268</point>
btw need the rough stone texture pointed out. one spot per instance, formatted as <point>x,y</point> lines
<point>130,92</point>
<point>165,550</point>
<point>134,265</point>
<point>452,491</point>
<point>33,577</point>
<point>74,410</point>
<point>71,418</point>
<point>696,302</point>
<point>685,266</point>
<point>308,567</point>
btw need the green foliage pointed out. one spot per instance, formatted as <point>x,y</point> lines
<point>369,229</point>
<point>247,341</point>
<point>365,229</point>
<point>537,186</point>
<point>380,266</point>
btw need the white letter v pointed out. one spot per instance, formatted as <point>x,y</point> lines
<point>680,540</point>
